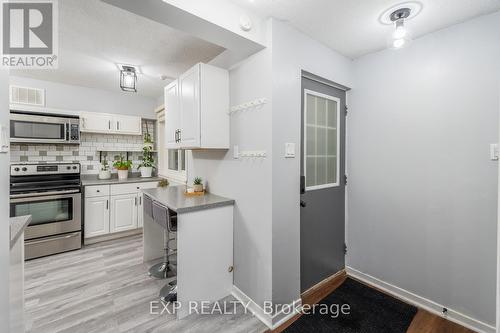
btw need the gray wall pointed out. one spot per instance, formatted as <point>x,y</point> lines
<point>292,53</point>
<point>70,97</point>
<point>422,193</point>
<point>4,208</point>
<point>246,180</point>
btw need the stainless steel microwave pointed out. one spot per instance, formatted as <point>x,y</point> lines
<point>28,127</point>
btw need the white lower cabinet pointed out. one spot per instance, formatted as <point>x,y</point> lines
<point>123,212</point>
<point>112,209</point>
<point>96,216</point>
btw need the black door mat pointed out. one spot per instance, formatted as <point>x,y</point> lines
<point>370,312</point>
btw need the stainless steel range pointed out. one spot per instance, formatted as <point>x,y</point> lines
<point>51,194</point>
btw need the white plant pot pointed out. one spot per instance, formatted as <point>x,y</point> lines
<point>146,172</point>
<point>122,174</point>
<point>198,188</point>
<point>104,174</point>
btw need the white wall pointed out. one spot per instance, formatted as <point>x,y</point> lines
<point>422,193</point>
<point>292,53</point>
<point>4,209</point>
<point>70,97</point>
<point>248,181</point>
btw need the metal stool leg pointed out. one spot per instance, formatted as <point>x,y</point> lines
<point>163,269</point>
<point>169,292</point>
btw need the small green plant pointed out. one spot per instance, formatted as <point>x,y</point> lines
<point>147,158</point>
<point>121,164</point>
<point>163,183</point>
<point>147,138</point>
<point>197,181</point>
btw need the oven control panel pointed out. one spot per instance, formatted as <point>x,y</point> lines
<point>44,169</point>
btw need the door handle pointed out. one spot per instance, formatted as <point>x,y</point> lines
<point>180,135</point>
<point>118,125</point>
<point>135,201</point>
<point>107,204</point>
<point>140,200</point>
<point>303,203</point>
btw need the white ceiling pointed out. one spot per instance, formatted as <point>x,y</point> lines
<point>94,36</point>
<point>352,27</point>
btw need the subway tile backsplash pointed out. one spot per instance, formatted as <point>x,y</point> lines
<point>87,153</point>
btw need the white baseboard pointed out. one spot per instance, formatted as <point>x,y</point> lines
<point>271,321</point>
<point>422,302</point>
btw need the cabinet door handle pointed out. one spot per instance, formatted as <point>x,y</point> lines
<point>118,125</point>
<point>140,200</point>
<point>109,124</point>
<point>107,204</point>
<point>180,136</point>
<point>135,201</point>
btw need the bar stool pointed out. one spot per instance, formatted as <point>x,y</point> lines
<point>169,292</point>
<point>165,218</point>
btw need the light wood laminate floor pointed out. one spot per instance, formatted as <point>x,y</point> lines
<point>105,288</point>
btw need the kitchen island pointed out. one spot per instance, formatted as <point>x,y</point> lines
<point>204,244</point>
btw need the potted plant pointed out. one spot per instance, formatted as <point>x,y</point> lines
<point>104,172</point>
<point>122,166</point>
<point>147,164</point>
<point>148,141</point>
<point>198,184</point>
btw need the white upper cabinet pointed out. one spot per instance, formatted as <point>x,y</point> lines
<point>128,125</point>
<point>95,122</point>
<point>196,109</point>
<point>173,124</point>
<point>189,84</point>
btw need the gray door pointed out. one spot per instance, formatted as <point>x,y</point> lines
<point>322,214</point>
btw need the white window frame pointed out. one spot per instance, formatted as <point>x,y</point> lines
<point>179,176</point>
<point>339,153</point>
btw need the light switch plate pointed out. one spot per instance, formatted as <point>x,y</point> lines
<point>289,150</point>
<point>4,139</point>
<point>494,152</point>
<point>236,152</point>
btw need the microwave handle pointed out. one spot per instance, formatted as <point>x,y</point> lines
<point>66,126</point>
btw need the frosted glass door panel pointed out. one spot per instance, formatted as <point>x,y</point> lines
<point>322,141</point>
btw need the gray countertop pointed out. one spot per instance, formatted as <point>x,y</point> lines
<point>88,180</point>
<point>174,198</point>
<point>17,226</point>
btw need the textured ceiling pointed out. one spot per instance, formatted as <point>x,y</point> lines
<point>352,27</point>
<point>94,36</point>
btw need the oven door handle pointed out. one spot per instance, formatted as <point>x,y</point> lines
<point>30,242</point>
<point>42,194</point>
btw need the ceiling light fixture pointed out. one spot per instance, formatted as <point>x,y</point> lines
<point>400,36</point>
<point>128,79</point>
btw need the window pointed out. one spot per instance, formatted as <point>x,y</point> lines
<point>171,162</point>
<point>322,139</point>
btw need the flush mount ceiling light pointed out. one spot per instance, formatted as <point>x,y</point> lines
<point>128,78</point>
<point>397,16</point>
<point>400,36</point>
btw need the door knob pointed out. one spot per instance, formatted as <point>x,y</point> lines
<point>303,203</point>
